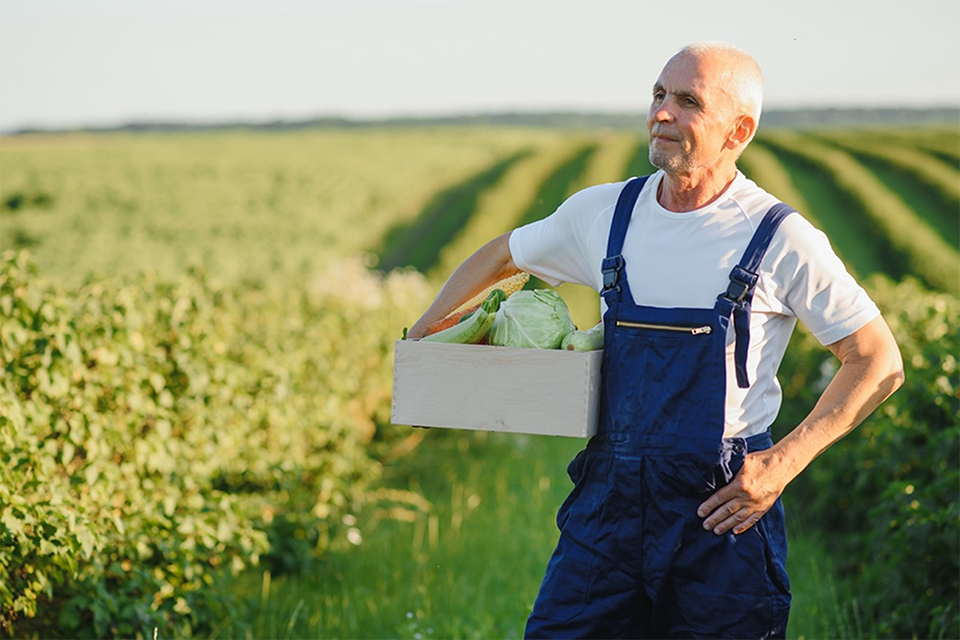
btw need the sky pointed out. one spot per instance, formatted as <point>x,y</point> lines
<point>70,63</point>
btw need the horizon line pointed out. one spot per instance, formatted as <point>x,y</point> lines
<point>333,119</point>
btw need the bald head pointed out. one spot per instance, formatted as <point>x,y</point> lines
<point>734,71</point>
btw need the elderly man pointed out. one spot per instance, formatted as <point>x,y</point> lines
<point>674,526</point>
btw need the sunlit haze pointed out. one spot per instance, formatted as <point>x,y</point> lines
<point>99,62</point>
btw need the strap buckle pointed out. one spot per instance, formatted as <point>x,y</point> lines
<point>741,284</point>
<point>611,268</point>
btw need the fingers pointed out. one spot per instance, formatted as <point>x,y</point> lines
<point>738,521</point>
<point>730,508</point>
<point>717,499</point>
<point>749,522</point>
<point>728,516</point>
<point>740,504</point>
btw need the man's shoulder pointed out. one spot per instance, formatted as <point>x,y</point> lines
<point>794,235</point>
<point>600,199</point>
<point>586,206</point>
<point>752,200</point>
<point>599,193</point>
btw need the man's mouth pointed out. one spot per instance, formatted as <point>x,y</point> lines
<point>658,135</point>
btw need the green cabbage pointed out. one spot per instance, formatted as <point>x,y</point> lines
<point>537,318</point>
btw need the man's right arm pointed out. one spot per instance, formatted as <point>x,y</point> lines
<point>489,264</point>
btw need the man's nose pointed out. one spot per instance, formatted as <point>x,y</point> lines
<point>661,113</point>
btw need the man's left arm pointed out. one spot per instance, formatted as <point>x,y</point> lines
<point>870,371</point>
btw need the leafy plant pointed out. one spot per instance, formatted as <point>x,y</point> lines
<point>889,489</point>
<point>154,433</point>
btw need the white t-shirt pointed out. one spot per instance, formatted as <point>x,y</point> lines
<point>684,260</point>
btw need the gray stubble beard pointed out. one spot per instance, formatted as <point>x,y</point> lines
<point>669,163</point>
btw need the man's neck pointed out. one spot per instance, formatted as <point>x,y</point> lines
<point>688,192</point>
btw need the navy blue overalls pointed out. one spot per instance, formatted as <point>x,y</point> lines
<point>633,559</point>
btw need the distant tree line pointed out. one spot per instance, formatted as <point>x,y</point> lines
<point>787,118</point>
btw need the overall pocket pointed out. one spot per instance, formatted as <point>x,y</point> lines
<point>692,477</point>
<point>570,572</point>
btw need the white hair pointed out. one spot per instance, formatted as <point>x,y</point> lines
<point>745,80</point>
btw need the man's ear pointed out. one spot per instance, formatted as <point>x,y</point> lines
<point>742,133</point>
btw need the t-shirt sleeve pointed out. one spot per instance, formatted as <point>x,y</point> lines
<point>812,283</point>
<point>563,246</point>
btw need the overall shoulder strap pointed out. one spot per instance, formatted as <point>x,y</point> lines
<point>743,282</point>
<point>614,277</point>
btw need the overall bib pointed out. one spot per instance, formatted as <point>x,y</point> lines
<point>633,559</point>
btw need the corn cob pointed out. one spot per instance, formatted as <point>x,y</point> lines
<point>509,286</point>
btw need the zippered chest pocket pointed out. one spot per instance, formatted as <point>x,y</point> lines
<point>667,329</point>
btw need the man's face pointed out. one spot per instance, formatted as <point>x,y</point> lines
<point>690,116</point>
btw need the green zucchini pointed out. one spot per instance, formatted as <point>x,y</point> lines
<point>589,340</point>
<point>474,328</point>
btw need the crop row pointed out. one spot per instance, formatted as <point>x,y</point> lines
<point>935,188</point>
<point>417,244</point>
<point>920,249</point>
<point>244,206</point>
<point>866,217</point>
<point>808,189</point>
<point>534,189</point>
<point>531,190</point>
<point>942,142</point>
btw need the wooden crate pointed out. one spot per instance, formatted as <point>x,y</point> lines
<point>457,386</point>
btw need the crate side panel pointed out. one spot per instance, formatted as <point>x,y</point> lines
<point>495,388</point>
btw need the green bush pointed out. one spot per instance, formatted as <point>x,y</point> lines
<point>888,492</point>
<point>153,433</point>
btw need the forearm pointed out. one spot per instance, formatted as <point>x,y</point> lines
<point>489,264</point>
<point>870,371</point>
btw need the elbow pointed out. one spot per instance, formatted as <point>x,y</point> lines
<point>893,381</point>
<point>895,375</point>
<point>896,379</point>
<point>890,361</point>
<point>501,258</point>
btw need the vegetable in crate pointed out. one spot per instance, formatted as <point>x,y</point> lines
<point>589,340</point>
<point>509,286</point>
<point>473,328</point>
<point>537,318</point>
<point>451,320</point>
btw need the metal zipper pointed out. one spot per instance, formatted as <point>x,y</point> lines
<point>666,327</point>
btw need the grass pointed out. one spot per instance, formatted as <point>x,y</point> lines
<point>470,564</point>
<point>467,567</point>
<point>824,604</point>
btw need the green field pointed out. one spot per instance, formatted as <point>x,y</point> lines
<point>469,565</point>
<point>196,332</point>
